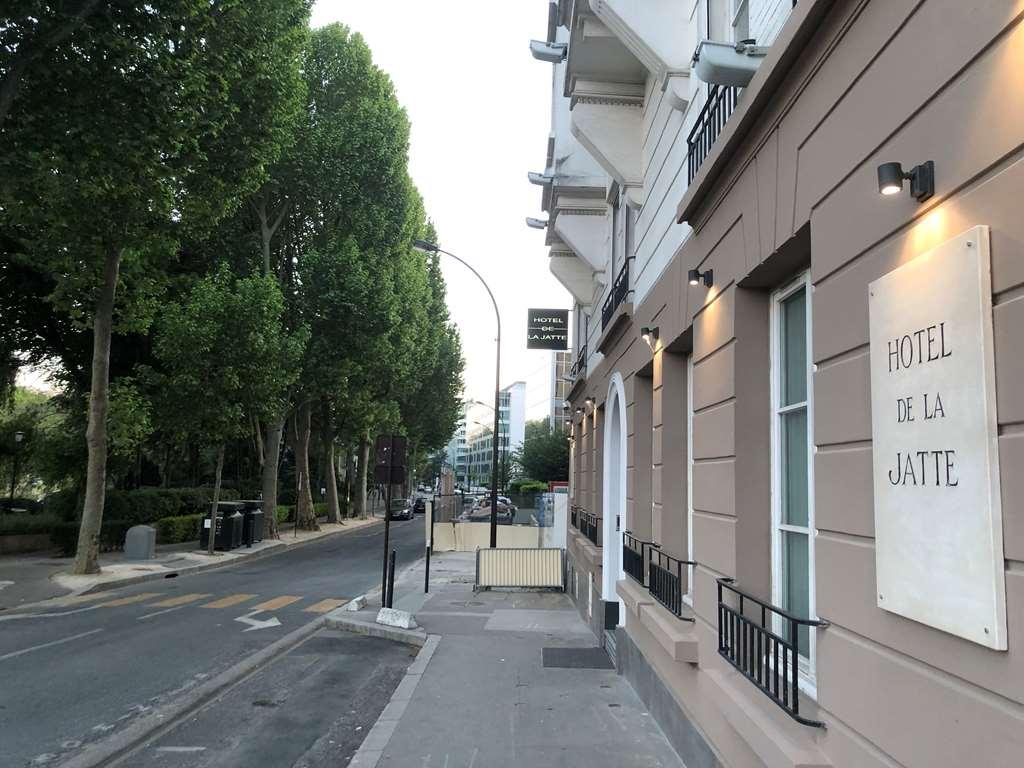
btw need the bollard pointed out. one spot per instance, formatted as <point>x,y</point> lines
<point>391,579</point>
<point>426,573</point>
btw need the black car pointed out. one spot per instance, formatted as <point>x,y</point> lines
<point>419,506</point>
<point>401,509</point>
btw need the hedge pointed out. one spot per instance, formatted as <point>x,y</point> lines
<point>141,507</point>
<point>286,512</point>
<point>64,536</point>
<point>27,523</point>
<point>178,529</point>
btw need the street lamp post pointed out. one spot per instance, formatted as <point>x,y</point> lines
<point>18,437</point>
<point>424,247</point>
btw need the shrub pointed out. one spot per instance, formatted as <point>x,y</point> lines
<point>64,505</point>
<point>533,486</point>
<point>64,536</point>
<point>26,523</point>
<point>178,529</point>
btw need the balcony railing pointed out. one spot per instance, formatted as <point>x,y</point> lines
<point>634,557</point>
<point>665,581</point>
<point>620,289</point>
<point>579,368</point>
<point>710,122</point>
<point>590,526</point>
<point>574,516</point>
<point>763,642</point>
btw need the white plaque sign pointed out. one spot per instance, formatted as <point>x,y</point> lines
<point>938,518</point>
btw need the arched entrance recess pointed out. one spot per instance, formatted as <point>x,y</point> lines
<point>614,490</point>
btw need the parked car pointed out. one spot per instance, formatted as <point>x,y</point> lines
<point>401,509</point>
<point>419,506</point>
<point>482,513</point>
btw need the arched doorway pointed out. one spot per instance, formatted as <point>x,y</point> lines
<point>614,490</point>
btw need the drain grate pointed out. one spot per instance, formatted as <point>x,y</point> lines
<point>577,658</point>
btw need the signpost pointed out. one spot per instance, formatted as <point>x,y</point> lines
<point>938,516</point>
<point>389,468</point>
<point>547,329</point>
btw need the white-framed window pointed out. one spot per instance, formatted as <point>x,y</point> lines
<point>688,597</point>
<point>792,455</point>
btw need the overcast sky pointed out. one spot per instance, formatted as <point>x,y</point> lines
<point>480,110</point>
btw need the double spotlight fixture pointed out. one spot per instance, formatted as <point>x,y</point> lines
<point>696,277</point>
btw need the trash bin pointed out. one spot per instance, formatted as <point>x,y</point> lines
<point>252,521</point>
<point>229,527</point>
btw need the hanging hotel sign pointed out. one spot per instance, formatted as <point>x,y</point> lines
<point>547,329</point>
<point>938,517</point>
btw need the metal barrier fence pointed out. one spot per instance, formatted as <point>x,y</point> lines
<point>520,568</point>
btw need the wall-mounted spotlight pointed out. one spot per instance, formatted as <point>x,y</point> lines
<point>540,179</point>
<point>566,405</point>
<point>579,410</point>
<point>922,180</point>
<point>536,223</point>
<point>649,335</point>
<point>696,277</point>
<point>589,402</point>
<point>553,53</point>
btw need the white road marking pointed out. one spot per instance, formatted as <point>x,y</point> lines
<point>257,623</point>
<point>161,613</point>
<point>5,584</point>
<point>180,749</point>
<point>48,645</point>
<point>14,616</point>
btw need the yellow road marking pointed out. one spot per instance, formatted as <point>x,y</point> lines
<point>324,606</point>
<point>227,602</point>
<point>277,602</point>
<point>129,600</point>
<point>79,599</point>
<point>179,600</point>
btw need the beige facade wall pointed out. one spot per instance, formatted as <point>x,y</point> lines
<point>873,82</point>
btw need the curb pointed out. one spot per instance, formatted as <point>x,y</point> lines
<point>337,619</point>
<point>376,741</point>
<point>275,549</point>
<point>158,722</point>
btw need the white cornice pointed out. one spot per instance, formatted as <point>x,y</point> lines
<point>573,274</point>
<point>585,232</point>
<point>655,31</point>
<point>607,119</point>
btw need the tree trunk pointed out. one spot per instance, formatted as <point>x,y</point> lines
<point>331,479</point>
<point>333,508</point>
<point>305,514</point>
<point>87,555</point>
<point>350,473</point>
<point>360,489</point>
<point>216,499</point>
<point>271,464</point>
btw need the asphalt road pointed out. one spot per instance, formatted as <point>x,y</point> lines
<point>74,675</point>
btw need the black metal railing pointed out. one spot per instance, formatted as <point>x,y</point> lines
<point>590,526</point>
<point>573,516</point>
<point>665,581</point>
<point>710,122</point>
<point>634,556</point>
<point>579,368</point>
<point>620,289</point>
<point>762,641</point>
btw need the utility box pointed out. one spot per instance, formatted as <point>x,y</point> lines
<point>140,543</point>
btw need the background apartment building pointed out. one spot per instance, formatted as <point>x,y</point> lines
<point>480,434</point>
<point>778,581</point>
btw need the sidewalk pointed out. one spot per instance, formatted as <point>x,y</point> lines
<point>30,579</point>
<point>506,679</point>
